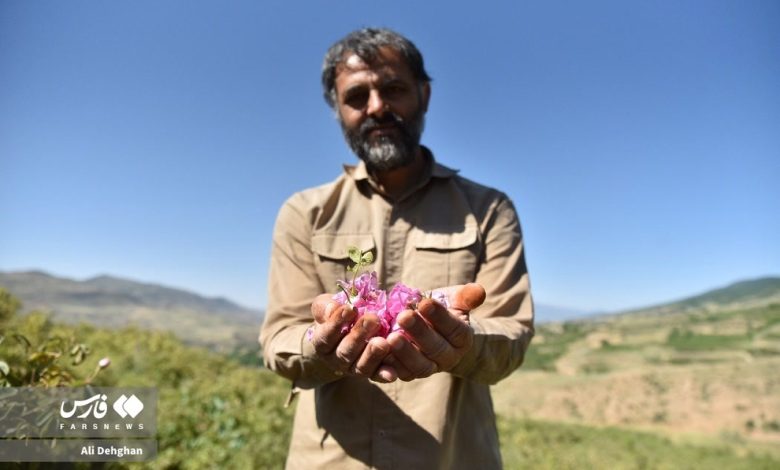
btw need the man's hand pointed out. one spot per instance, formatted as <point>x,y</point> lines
<point>354,353</point>
<point>434,338</point>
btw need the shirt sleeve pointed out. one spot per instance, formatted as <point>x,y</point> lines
<point>291,290</point>
<point>503,325</point>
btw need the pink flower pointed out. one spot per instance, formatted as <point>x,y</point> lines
<point>366,297</point>
<point>440,297</point>
<point>400,298</point>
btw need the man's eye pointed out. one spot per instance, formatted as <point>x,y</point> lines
<point>393,90</point>
<point>356,100</point>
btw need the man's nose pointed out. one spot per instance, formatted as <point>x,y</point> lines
<point>376,105</point>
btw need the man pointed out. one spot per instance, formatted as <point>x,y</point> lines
<point>419,399</point>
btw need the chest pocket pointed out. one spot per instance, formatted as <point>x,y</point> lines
<point>442,259</point>
<point>330,255</point>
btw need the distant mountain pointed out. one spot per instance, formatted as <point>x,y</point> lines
<point>109,301</point>
<point>545,313</point>
<point>742,294</point>
<point>115,302</point>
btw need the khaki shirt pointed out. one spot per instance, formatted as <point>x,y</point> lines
<point>445,230</point>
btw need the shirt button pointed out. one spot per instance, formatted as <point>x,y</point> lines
<point>381,433</point>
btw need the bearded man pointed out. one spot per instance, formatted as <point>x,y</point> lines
<point>418,397</point>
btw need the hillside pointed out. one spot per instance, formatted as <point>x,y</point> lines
<point>702,369</point>
<point>107,301</point>
<point>737,295</point>
<point>240,421</point>
<point>692,388</point>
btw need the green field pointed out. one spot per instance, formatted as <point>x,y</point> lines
<point>545,445</point>
<point>628,382</point>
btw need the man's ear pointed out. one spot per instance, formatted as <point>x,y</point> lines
<point>425,95</point>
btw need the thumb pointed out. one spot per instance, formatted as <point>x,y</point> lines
<point>322,307</point>
<point>468,296</point>
<point>464,297</point>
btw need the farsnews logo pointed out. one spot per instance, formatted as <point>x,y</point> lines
<point>80,412</point>
<point>97,407</point>
<point>128,406</point>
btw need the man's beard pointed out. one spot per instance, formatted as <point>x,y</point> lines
<point>389,151</point>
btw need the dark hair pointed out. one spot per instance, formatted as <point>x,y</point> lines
<point>365,43</point>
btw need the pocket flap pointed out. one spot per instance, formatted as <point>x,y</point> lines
<point>335,245</point>
<point>442,240</point>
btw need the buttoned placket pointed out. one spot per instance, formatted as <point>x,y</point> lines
<point>390,232</point>
<point>382,419</point>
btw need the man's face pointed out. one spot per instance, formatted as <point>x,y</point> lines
<point>381,107</point>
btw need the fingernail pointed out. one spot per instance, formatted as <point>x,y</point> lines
<point>426,306</point>
<point>346,312</point>
<point>370,326</point>
<point>387,376</point>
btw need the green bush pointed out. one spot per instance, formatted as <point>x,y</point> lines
<point>686,340</point>
<point>212,411</point>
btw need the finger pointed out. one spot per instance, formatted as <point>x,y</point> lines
<point>400,370</point>
<point>429,342</point>
<point>469,297</point>
<point>385,374</point>
<point>464,297</point>
<point>415,363</point>
<point>452,328</point>
<point>327,335</point>
<point>322,307</point>
<point>368,362</point>
<point>352,345</point>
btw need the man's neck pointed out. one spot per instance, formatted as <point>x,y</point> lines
<point>395,182</point>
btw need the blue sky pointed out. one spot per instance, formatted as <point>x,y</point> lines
<point>153,140</point>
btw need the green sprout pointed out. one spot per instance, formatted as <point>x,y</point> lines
<point>361,259</point>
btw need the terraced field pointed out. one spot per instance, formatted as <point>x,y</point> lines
<point>703,376</point>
